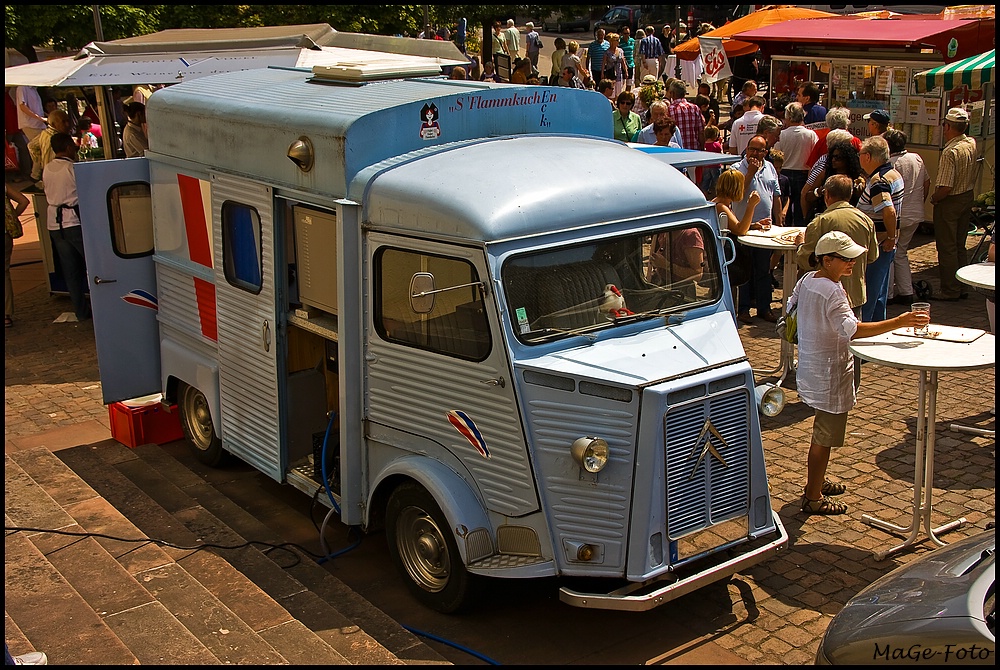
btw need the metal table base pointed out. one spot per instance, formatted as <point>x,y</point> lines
<point>923,476</point>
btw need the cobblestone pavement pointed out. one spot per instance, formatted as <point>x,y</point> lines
<point>779,609</point>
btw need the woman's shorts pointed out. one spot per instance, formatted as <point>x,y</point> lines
<point>829,430</point>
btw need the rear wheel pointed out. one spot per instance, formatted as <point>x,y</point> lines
<point>196,418</point>
<point>424,550</point>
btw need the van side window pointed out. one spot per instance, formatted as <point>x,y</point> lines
<point>457,324</point>
<point>241,246</point>
<point>131,215</point>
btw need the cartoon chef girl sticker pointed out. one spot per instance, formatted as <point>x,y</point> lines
<point>430,129</point>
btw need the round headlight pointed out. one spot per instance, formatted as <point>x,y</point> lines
<point>591,453</point>
<point>770,399</point>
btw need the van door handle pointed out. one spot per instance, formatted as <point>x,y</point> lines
<point>266,335</point>
<point>499,381</point>
<point>98,280</point>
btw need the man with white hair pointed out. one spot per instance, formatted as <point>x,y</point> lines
<point>658,113</point>
<point>513,40</point>
<point>882,200</point>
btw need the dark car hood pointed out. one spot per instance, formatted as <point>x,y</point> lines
<point>950,582</point>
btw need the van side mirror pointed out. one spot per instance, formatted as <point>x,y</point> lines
<point>422,292</point>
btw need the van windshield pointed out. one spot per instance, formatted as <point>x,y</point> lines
<point>583,288</point>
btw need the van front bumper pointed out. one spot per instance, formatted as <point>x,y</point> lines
<point>627,599</point>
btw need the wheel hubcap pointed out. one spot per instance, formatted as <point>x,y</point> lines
<point>198,418</point>
<point>423,549</point>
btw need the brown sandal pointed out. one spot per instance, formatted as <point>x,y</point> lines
<point>833,488</point>
<point>823,506</point>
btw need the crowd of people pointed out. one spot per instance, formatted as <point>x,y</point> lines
<point>48,137</point>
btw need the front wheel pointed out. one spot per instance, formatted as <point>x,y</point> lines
<point>424,550</point>
<point>196,418</point>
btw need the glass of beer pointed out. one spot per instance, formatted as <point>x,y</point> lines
<point>923,308</point>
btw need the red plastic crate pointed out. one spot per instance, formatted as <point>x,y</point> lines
<point>146,424</point>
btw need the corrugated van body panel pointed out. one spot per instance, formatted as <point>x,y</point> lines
<point>248,338</point>
<point>414,390</point>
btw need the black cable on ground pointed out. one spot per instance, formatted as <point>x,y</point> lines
<point>269,547</point>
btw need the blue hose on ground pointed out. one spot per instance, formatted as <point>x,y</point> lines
<point>430,636</point>
<point>329,556</point>
<point>329,492</point>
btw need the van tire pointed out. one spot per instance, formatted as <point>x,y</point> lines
<point>196,418</point>
<point>424,550</point>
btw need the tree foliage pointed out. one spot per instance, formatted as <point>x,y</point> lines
<point>68,28</point>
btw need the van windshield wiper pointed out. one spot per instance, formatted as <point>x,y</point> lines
<point>542,333</point>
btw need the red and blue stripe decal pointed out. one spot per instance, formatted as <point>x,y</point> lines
<point>467,427</point>
<point>142,298</point>
<point>196,218</point>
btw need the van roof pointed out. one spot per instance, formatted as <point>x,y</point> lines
<point>523,186</point>
<point>245,122</point>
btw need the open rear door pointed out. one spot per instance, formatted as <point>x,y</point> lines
<point>117,217</point>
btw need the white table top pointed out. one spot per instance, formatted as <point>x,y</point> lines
<point>916,353</point>
<point>980,275</point>
<point>770,239</point>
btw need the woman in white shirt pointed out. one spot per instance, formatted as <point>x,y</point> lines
<point>825,373</point>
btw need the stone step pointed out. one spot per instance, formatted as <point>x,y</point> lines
<point>388,633</point>
<point>125,602</point>
<point>147,479</point>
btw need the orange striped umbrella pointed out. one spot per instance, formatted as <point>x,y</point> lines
<point>769,15</point>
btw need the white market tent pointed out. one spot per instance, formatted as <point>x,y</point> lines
<point>173,56</point>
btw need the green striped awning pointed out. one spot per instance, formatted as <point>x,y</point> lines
<point>973,72</point>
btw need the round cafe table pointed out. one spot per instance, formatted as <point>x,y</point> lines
<point>983,278</point>
<point>779,238</point>
<point>948,349</point>
<point>979,275</point>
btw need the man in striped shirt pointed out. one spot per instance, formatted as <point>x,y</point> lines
<point>881,200</point>
<point>650,50</point>
<point>595,54</point>
<point>952,200</point>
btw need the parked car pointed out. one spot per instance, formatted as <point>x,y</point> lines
<point>558,23</point>
<point>939,608</point>
<point>633,16</point>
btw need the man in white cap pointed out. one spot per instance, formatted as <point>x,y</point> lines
<point>952,200</point>
<point>825,372</point>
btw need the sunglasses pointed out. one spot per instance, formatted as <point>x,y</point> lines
<point>841,258</point>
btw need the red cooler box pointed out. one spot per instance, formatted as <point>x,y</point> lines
<point>144,421</point>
